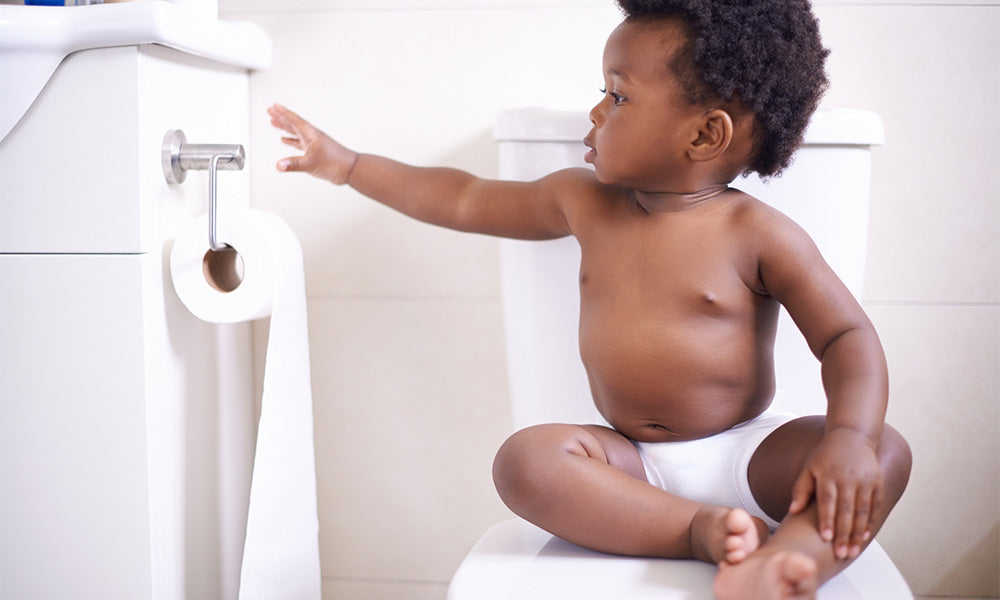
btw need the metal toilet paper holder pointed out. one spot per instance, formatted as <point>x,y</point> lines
<point>178,157</point>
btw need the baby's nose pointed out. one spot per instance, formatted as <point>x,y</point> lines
<point>595,113</point>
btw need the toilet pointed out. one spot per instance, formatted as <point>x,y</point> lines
<point>826,190</point>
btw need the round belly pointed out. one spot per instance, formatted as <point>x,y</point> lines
<point>677,382</point>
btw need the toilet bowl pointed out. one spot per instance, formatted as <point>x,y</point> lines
<point>826,190</point>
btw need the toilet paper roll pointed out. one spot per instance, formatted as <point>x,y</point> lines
<point>281,552</point>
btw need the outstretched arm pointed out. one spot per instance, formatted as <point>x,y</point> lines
<point>843,473</point>
<point>447,197</point>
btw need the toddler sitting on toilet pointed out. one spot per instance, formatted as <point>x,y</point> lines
<point>681,279</point>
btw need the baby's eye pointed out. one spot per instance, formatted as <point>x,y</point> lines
<point>618,98</point>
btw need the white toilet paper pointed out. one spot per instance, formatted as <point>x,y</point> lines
<point>281,553</point>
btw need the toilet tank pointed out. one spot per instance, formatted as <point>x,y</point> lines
<point>826,190</point>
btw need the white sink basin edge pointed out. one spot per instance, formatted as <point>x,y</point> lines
<point>35,39</point>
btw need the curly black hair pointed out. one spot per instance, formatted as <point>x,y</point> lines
<point>765,55</point>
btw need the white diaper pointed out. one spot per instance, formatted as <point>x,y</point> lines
<point>712,470</point>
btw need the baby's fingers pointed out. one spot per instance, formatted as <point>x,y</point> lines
<point>865,514</point>
<point>279,118</point>
<point>844,522</point>
<point>290,164</point>
<point>826,508</point>
<point>802,492</point>
<point>286,120</point>
<point>293,142</point>
<point>297,163</point>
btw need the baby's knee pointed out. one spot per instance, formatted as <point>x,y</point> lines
<point>524,448</point>
<point>531,455</point>
<point>896,459</point>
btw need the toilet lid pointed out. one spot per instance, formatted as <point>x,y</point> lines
<point>515,559</point>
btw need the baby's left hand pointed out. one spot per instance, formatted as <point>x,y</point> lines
<point>844,475</point>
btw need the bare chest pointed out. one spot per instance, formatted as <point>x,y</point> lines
<point>671,325</point>
<point>679,267</point>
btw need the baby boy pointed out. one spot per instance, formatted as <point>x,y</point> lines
<point>681,279</point>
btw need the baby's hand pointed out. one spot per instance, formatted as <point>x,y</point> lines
<point>846,478</point>
<point>323,158</point>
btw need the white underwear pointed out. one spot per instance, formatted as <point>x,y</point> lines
<point>712,470</point>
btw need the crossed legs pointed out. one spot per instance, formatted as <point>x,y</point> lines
<point>586,484</point>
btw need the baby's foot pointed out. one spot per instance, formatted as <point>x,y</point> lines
<point>743,535</point>
<point>762,576</point>
<point>726,535</point>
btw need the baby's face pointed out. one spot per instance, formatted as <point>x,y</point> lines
<point>643,125</point>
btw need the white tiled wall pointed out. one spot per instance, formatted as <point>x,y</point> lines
<point>407,345</point>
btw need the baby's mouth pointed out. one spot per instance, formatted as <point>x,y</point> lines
<point>592,150</point>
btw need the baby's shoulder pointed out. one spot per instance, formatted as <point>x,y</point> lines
<point>579,192</point>
<point>579,181</point>
<point>771,232</point>
<point>760,218</point>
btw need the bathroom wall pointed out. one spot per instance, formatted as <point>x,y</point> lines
<point>405,321</point>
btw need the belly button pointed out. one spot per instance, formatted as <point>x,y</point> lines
<point>660,428</point>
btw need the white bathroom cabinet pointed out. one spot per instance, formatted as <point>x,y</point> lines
<point>125,423</point>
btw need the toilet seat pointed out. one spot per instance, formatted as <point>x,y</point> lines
<point>516,560</point>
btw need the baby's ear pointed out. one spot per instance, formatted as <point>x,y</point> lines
<point>715,134</point>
